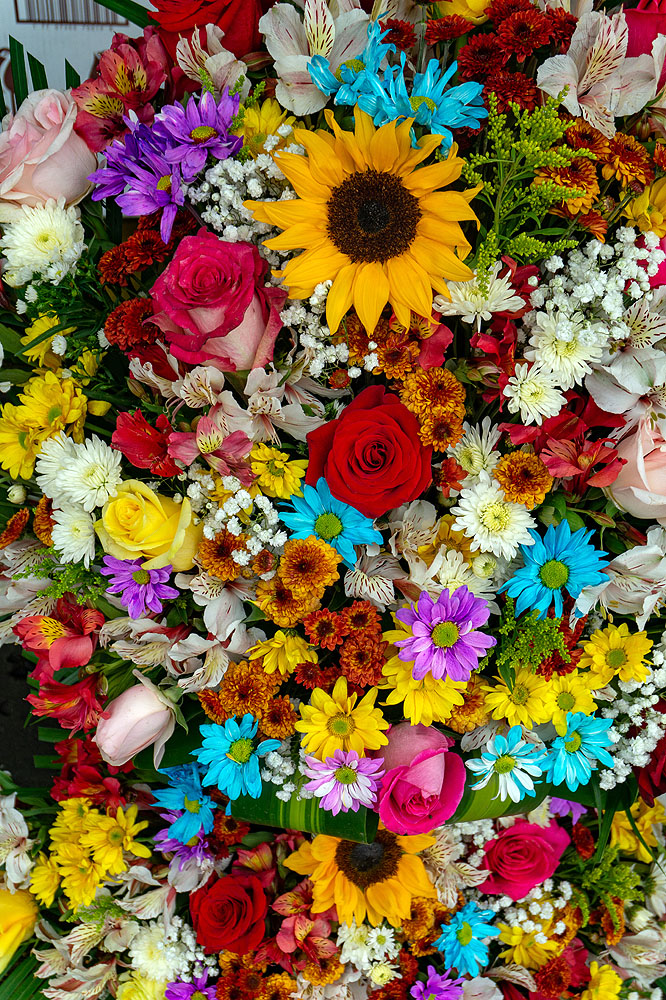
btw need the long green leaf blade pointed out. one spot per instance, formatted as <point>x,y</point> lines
<point>19,75</point>
<point>127,8</point>
<point>37,73</point>
<point>72,78</point>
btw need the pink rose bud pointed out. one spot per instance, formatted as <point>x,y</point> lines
<point>640,488</point>
<point>138,718</point>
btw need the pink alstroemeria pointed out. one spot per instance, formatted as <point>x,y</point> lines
<point>224,452</point>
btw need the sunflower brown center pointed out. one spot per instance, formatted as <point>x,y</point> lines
<point>372,217</point>
<point>368,864</point>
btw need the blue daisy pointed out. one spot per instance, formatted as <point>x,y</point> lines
<point>515,762</point>
<point>185,793</point>
<point>573,757</point>
<point>344,83</point>
<point>231,758</point>
<point>318,513</point>
<point>463,940</point>
<point>559,561</point>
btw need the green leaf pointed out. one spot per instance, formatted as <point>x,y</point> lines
<point>127,8</point>
<point>37,73</point>
<point>20,983</point>
<point>17,376</point>
<point>72,78</point>
<point>605,520</point>
<point>20,77</point>
<point>575,520</point>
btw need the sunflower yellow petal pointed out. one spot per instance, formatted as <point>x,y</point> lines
<point>340,296</point>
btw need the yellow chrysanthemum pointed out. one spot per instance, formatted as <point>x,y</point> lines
<point>107,837</point>
<point>336,722</point>
<point>81,876</point>
<point>612,651</point>
<point>54,404</point>
<point>41,353</point>
<point>277,474</point>
<point>645,818</point>
<point>648,210</point>
<point>138,987</point>
<point>369,221</point>
<point>568,693</point>
<point>45,879</point>
<point>70,822</point>
<point>425,701</point>
<point>308,566</point>
<point>524,949</point>
<point>447,538</point>
<point>260,121</point>
<point>522,704</point>
<point>19,443</point>
<point>604,984</point>
<point>283,653</point>
<point>472,10</point>
<point>375,881</point>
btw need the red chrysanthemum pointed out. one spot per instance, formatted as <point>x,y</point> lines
<point>362,616</point>
<point>523,32</point>
<point>512,88</point>
<point>313,675</point>
<point>126,328</point>
<point>112,267</point>
<point>362,658</point>
<point>144,248</point>
<point>400,33</point>
<point>499,10</point>
<point>553,978</point>
<point>443,29</point>
<point>562,26</point>
<point>583,841</point>
<point>481,57</point>
<point>325,629</point>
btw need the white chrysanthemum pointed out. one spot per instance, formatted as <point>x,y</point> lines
<point>46,240</point>
<point>54,459</point>
<point>449,571</point>
<point>93,475</point>
<point>473,304</point>
<point>493,523</point>
<point>566,345</point>
<point>476,451</point>
<point>534,392</point>
<point>73,534</point>
<point>154,955</point>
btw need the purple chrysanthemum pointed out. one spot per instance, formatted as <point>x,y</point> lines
<point>140,589</point>
<point>445,640</point>
<point>437,987</point>
<point>197,989</point>
<point>199,128</point>
<point>344,781</point>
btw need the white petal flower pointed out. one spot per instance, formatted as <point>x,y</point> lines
<point>93,475</point>
<point>473,303</point>
<point>74,534</point>
<point>46,240</point>
<point>566,345</point>
<point>534,393</point>
<point>476,451</point>
<point>491,521</point>
<point>55,457</point>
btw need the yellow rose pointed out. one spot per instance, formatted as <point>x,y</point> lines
<point>140,523</point>
<point>18,916</point>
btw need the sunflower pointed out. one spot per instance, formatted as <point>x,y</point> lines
<point>369,221</point>
<point>378,880</point>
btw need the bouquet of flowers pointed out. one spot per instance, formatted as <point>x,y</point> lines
<point>333,451</point>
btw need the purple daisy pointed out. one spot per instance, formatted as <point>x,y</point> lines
<point>563,807</point>
<point>197,849</point>
<point>196,990</point>
<point>437,987</point>
<point>444,640</point>
<point>199,128</point>
<point>140,589</point>
<point>344,781</point>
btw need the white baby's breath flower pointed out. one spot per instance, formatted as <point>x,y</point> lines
<point>73,534</point>
<point>534,393</point>
<point>93,475</point>
<point>477,449</point>
<point>491,521</point>
<point>46,240</point>
<point>473,304</point>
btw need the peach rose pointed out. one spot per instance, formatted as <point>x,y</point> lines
<point>640,488</point>
<point>41,156</point>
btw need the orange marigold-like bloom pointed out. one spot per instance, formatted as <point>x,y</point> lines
<point>313,675</point>
<point>441,430</point>
<point>627,160</point>
<point>553,978</point>
<point>424,925</point>
<point>126,328</point>
<point>524,478</point>
<point>448,476</point>
<point>362,658</point>
<point>357,337</point>
<point>423,391</point>
<point>308,566</point>
<point>278,603</point>
<point>15,527</point>
<point>325,628</point>
<point>579,175</point>
<point>227,830</point>
<point>263,562</point>
<point>472,713</point>
<point>395,990</point>
<point>396,356</point>
<point>42,521</point>
<point>595,224</point>
<point>324,971</point>
<point>279,718</point>
<point>231,964</point>
<point>361,616</point>
<point>583,841</point>
<point>216,554</point>
<point>245,687</point>
<point>614,930</point>
<point>659,155</point>
<point>279,986</point>
<point>581,135</point>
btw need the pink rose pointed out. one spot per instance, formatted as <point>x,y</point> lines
<point>424,781</point>
<point>522,856</point>
<point>136,719</point>
<point>640,488</point>
<point>41,156</point>
<point>644,23</point>
<point>212,304</point>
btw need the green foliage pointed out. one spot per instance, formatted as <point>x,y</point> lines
<point>601,883</point>
<point>72,578</point>
<point>527,641</point>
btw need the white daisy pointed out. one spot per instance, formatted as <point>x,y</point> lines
<point>565,345</point>
<point>534,392</point>
<point>46,240</point>
<point>93,475</point>
<point>449,571</point>
<point>73,534</point>
<point>473,303</point>
<point>476,451</point>
<point>492,522</point>
<point>53,462</point>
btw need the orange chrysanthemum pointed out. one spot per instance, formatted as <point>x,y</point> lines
<point>279,718</point>
<point>325,628</point>
<point>396,356</point>
<point>580,175</point>
<point>263,562</point>
<point>437,388</point>
<point>308,566</point>
<point>231,964</point>
<point>313,675</point>
<point>15,527</point>
<point>524,478</point>
<point>279,605</point>
<point>448,476</point>
<point>595,224</point>
<point>279,986</point>
<point>659,155</point>
<point>42,521</point>
<point>614,929</point>
<point>581,135</point>
<point>324,971</point>
<point>362,658</point>
<point>472,713</point>
<point>441,430</point>
<point>227,830</point>
<point>553,978</point>
<point>627,160</point>
<point>361,616</point>
<point>215,555</point>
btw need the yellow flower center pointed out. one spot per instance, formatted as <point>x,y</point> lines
<point>202,132</point>
<point>417,101</point>
<point>191,805</point>
<point>354,64</point>
<point>346,775</point>
<point>164,183</point>
<point>573,744</point>
<point>616,658</point>
<point>51,629</point>
<point>328,526</point>
<point>341,725</point>
<point>240,751</point>
<point>554,574</point>
<point>141,576</point>
<point>445,634</point>
<point>465,934</point>
<point>495,516</point>
<point>565,701</point>
<point>504,764</point>
<point>274,469</point>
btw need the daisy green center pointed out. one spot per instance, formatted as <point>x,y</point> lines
<point>202,132</point>
<point>341,725</point>
<point>116,836</point>
<point>328,525</point>
<point>191,805</point>
<point>573,744</point>
<point>465,934</point>
<point>417,101</point>
<point>354,64</point>
<point>565,700</point>
<point>164,183</point>
<point>198,995</point>
<point>495,516</point>
<point>141,576</point>
<point>504,764</point>
<point>520,694</point>
<point>240,751</point>
<point>275,470</point>
<point>445,635</point>
<point>554,574</point>
<point>346,775</point>
<point>616,658</point>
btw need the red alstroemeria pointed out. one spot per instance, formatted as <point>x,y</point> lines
<point>67,638</point>
<point>259,862</point>
<point>144,446</point>
<point>310,935</point>
<point>582,463</point>
<point>74,706</point>
<point>82,775</point>
<point>449,476</point>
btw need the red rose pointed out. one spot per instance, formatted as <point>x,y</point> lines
<point>523,856</point>
<point>212,304</point>
<point>371,456</point>
<point>228,914</point>
<point>652,777</point>
<point>238,19</point>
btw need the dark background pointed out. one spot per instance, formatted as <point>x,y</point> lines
<point>18,742</point>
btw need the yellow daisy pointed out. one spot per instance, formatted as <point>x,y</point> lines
<point>107,837</point>
<point>277,474</point>
<point>523,947</point>
<point>335,722</point>
<point>369,221</point>
<point>282,653</point>
<point>39,350</point>
<point>377,880</point>
<point>604,984</point>
<point>260,121</point>
<point>569,693</point>
<point>81,876</point>
<point>522,704</point>
<point>614,650</point>
<point>645,818</point>
<point>425,701</point>
<point>45,879</point>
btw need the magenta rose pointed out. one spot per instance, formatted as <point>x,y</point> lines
<point>645,22</point>
<point>212,304</point>
<point>522,856</point>
<point>424,781</point>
